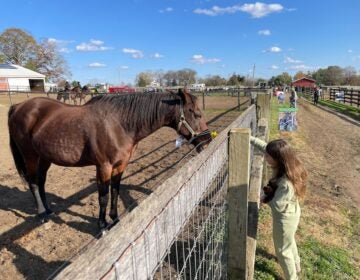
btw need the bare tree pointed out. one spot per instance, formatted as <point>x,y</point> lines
<point>49,62</point>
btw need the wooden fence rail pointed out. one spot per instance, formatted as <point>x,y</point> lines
<point>132,248</point>
<point>345,95</point>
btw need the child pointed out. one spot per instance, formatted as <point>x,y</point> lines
<point>286,186</point>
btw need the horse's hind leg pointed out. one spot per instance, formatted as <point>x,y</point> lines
<point>43,167</point>
<point>31,178</point>
<point>103,174</point>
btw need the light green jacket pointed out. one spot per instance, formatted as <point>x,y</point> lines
<point>284,201</point>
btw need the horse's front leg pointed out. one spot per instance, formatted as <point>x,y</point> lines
<point>103,175</point>
<point>115,185</point>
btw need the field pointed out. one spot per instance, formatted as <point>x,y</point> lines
<point>34,251</point>
<point>328,236</point>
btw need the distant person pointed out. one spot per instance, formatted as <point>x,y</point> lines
<point>316,96</point>
<point>281,97</point>
<point>287,185</point>
<point>67,86</point>
<point>293,98</point>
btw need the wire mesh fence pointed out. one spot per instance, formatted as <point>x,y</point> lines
<point>198,251</point>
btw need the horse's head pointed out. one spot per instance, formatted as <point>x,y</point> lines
<point>192,124</point>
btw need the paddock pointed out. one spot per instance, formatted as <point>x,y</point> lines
<point>72,194</point>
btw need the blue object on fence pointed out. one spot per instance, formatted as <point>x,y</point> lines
<point>287,119</point>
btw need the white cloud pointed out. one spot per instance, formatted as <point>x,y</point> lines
<point>300,67</point>
<point>157,55</point>
<point>273,50</point>
<point>92,46</point>
<point>124,67</point>
<point>265,32</point>
<point>60,44</point>
<point>291,60</point>
<point>134,53</point>
<point>256,10</point>
<point>53,40</point>
<point>64,50</point>
<point>349,51</point>
<point>259,10</point>
<point>166,10</point>
<point>200,59</point>
<point>97,65</point>
<point>274,67</point>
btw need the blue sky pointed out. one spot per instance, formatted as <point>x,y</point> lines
<point>112,41</point>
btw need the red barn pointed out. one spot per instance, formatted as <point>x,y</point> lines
<point>304,83</point>
<point>121,89</point>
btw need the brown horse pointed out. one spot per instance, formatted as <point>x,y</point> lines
<point>63,95</point>
<point>84,91</point>
<point>102,132</point>
<point>75,93</point>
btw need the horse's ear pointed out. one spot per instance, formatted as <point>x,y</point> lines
<point>185,96</point>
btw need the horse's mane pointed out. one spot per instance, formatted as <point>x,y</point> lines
<point>136,110</point>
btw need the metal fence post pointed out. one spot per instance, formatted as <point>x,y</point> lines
<point>239,175</point>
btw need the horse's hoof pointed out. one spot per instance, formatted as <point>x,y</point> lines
<point>50,213</point>
<point>103,225</point>
<point>103,232</point>
<point>114,218</point>
<point>43,217</point>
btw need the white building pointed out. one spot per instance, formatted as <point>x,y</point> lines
<point>17,78</point>
<point>197,87</point>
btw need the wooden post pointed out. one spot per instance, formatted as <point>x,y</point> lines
<point>239,174</point>
<point>256,182</point>
<point>10,97</point>
<point>203,100</point>
<point>263,106</point>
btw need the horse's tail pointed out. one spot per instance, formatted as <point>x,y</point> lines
<point>18,158</point>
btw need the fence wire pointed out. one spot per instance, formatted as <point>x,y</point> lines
<point>198,249</point>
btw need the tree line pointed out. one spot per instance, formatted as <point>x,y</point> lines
<point>332,75</point>
<point>185,77</point>
<point>19,47</point>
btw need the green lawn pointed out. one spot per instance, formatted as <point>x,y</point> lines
<point>320,258</point>
<point>351,111</point>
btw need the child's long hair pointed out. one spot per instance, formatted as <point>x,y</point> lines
<point>288,164</point>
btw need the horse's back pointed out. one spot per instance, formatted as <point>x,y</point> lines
<point>25,115</point>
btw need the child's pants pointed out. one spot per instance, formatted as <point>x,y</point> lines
<point>284,228</point>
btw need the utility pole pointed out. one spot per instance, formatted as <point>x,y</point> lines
<point>253,76</point>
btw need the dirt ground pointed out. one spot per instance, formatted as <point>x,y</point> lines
<point>330,150</point>
<point>331,153</point>
<point>29,250</point>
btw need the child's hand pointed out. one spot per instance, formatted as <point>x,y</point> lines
<point>268,194</point>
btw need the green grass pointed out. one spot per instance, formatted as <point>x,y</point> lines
<point>318,259</point>
<point>321,262</point>
<point>348,110</point>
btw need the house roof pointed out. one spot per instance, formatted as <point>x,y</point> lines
<point>304,78</point>
<point>16,71</point>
